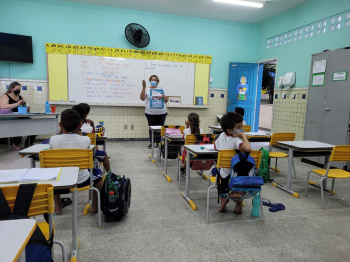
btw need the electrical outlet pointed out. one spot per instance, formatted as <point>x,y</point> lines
<point>125,127</point>
<point>132,127</point>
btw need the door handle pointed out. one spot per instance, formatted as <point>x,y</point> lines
<point>327,109</point>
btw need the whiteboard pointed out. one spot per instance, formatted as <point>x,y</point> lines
<point>119,80</point>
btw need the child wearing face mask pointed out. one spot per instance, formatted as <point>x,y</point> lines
<point>233,137</point>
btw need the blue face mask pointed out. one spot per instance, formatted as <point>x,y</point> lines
<point>153,83</point>
<point>238,130</point>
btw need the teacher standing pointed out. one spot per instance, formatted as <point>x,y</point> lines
<point>155,116</point>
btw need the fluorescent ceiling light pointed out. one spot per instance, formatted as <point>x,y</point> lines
<point>241,2</point>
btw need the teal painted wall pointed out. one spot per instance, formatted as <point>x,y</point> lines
<point>70,23</point>
<point>296,57</point>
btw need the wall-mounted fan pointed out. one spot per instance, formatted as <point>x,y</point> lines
<point>137,35</point>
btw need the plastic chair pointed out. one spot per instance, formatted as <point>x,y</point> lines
<point>42,203</point>
<point>190,140</point>
<point>82,158</point>
<point>162,133</point>
<point>273,142</point>
<point>224,161</point>
<point>339,154</point>
<point>247,128</point>
<point>92,137</point>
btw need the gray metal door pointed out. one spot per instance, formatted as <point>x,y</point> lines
<point>337,100</point>
<point>315,105</point>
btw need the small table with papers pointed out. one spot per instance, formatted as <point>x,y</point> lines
<point>68,179</point>
<point>14,237</point>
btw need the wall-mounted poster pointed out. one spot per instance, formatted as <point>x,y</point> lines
<point>242,89</point>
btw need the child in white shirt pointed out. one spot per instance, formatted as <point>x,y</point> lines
<point>233,137</point>
<point>70,124</point>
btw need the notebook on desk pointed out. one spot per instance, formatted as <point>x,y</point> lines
<point>29,175</point>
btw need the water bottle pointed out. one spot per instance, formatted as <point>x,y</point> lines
<point>47,108</point>
<point>111,197</point>
<point>256,206</point>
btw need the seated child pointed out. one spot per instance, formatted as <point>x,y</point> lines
<point>70,123</point>
<point>233,137</point>
<point>99,154</point>
<point>192,127</point>
<point>88,125</point>
<point>240,110</point>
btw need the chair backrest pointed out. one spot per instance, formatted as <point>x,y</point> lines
<point>281,137</point>
<point>192,139</point>
<point>82,158</point>
<point>92,137</point>
<point>225,156</point>
<point>340,154</point>
<point>163,129</point>
<point>42,201</point>
<point>247,128</point>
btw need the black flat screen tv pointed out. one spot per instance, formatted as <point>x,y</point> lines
<point>16,48</point>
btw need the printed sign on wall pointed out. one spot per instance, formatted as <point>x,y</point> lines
<point>242,89</point>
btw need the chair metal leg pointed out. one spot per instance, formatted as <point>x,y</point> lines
<point>98,205</point>
<point>307,183</point>
<point>64,251</point>
<point>322,194</point>
<point>295,176</point>
<point>332,187</point>
<point>179,172</point>
<point>208,195</point>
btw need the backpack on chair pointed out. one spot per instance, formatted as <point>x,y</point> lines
<point>264,170</point>
<point>115,197</point>
<point>243,176</point>
<point>207,164</point>
<point>38,249</point>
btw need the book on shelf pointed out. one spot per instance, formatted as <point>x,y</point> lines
<point>29,175</point>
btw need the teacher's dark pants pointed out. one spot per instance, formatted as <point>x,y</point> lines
<point>155,120</point>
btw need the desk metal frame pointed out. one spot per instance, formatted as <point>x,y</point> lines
<point>196,152</point>
<point>67,180</point>
<point>303,148</point>
<point>155,131</point>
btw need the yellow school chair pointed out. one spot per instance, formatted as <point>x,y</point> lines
<point>247,128</point>
<point>42,203</point>
<point>339,154</point>
<point>273,142</point>
<point>82,158</point>
<point>162,133</point>
<point>92,137</point>
<point>224,161</point>
<point>191,140</point>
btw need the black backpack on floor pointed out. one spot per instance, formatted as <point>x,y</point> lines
<point>115,197</point>
<point>38,249</point>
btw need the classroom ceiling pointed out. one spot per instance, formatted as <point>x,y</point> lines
<point>204,8</point>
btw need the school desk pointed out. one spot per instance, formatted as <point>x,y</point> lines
<point>155,132</point>
<point>167,139</point>
<point>258,136</point>
<point>215,129</point>
<point>198,153</point>
<point>33,152</point>
<point>13,125</point>
<point>303,148</point>
<point>67,180</point>
<point>14,237</point>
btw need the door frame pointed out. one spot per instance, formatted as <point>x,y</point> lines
<point>259,86</point>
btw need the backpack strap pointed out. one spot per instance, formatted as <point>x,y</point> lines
<point>198,136</point>
<point>177,127</point>
<point>5,210</point>
<point>23,199</point>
